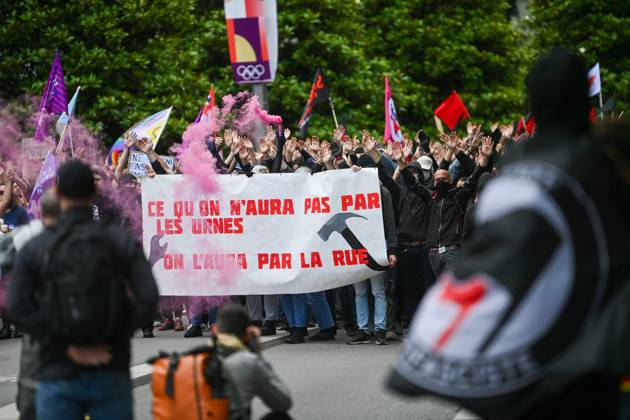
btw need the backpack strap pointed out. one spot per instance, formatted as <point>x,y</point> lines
<point>169,388</point>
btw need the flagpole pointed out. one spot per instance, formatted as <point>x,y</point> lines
<point>63,132</point>
<point>60,144</point>
<point>332,107</point>
<point>71,143</point>
<point>601,105</point>
<point>438,124</point>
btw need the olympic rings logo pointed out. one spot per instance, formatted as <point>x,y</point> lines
<point>250,71</point>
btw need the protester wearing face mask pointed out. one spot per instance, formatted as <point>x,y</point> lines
<point>414,270</point>
<point>447,206</point>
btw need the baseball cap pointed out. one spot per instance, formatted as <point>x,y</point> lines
<point>425,163</point>
<point>75,180</point>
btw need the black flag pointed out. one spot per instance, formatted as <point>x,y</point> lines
<point>609,105</point>
<point>319,94</point>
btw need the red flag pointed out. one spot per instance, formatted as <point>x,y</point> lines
<point>530,126</point>
<point>452,110</point>
<point>592,115</point>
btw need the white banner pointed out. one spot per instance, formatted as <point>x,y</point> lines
<point>268,234</point>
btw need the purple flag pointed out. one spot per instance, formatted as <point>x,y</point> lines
<point>45,180</point>
<point>54,100</point>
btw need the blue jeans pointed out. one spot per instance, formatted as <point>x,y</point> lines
<point>319,305</point>
<point>380,302</point>
<point>101,395</point>
<point>294,307</point>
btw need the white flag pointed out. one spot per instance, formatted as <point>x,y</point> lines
<point>594,81</point>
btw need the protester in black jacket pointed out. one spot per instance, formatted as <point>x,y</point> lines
<point>447,208</point>
<point>78,376</point>
<point>414,270</point>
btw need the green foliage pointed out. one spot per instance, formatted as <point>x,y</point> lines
<point>598,30</point>
<point>133,58</point>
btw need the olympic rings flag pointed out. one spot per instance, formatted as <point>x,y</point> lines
<point>252,28</point>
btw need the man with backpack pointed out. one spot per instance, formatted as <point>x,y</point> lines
<point>250,374</point>
<point>80,289</point>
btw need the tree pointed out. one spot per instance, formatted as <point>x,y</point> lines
<point>131,58</point>
<point>134,58</point>
<point>435,47</point>
<point>597,30</point>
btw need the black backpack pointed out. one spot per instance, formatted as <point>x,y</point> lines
<point>84,296</point>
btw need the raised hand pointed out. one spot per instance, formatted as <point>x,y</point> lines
<point>369,142</point>
<point>270,134</point>
<point>450,140</point>
<point>507,130</point>
<point>130,139</point>
<point>218,141</point>
<point>408,149</point>
<point>264,146</point>
<point>397,153</point>
<point>486,147</point>
<point>325,152</point>
<point>338,133</point>
<point>145,145</point>
<point>470,128</point>
<point>287,133</point>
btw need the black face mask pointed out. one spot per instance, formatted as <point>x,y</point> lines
<point>442,187</point>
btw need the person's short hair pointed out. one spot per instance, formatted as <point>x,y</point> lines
<point>233,319</point>
<point>75,180</point>
<point>49,204</point>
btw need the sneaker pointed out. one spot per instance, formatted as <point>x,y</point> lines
<point>179,325</point>
<point>193,331</point>
<point>147,333</point>
<point>268,329</point>
<point>324,335</point>
<point>351,330</point>
<point>360,337</point>
<point>391,336</point>
<point>167,325</point>
<point>381,339</point>
<point>399,329</point>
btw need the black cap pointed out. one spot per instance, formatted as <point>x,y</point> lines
<point>365,161</point>
<point>75,180</point>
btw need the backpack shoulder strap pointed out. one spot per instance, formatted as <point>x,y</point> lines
<point>58,235</point>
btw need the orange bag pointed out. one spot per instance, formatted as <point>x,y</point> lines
<point>189,386</point>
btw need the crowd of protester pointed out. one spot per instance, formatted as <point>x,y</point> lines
<point>428,193</point>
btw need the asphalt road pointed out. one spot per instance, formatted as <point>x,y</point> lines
<point>335,381</point>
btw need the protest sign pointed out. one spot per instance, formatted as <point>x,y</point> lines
<point>138,160</point>
<point>268,234</point>
<point>35,150</point>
